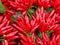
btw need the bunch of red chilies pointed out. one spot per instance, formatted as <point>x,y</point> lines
<point>42,29</point>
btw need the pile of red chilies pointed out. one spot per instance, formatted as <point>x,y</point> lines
<point>42,29</point>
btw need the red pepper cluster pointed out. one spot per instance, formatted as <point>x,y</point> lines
<point>56,5</point>
<point>23,5</point>
<point>18,5</point>
<point>30,22</point>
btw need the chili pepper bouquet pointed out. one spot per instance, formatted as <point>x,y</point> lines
<point>29,22</point>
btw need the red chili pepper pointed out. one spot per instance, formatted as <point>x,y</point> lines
<point>5,31</point>
<point>11,34</point>
<point>27,24</point>
<point>34,29</point>
<point>1,17</point>
<point>19,29</point>
<point>38,41</point>
<point>45,37</point>
<point>24,13</point>
<point>3,24</point>
<point>4,19</point>
<point>8,23</point>
<point>13,38</point>
<point>12,12</point>
<point>22,20</point>
<point>23,37</point>
<point>51,13</point>
<point>7,27</point>
<point>20,24</point>
<point>54,40</point>
<point>57,38</point>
